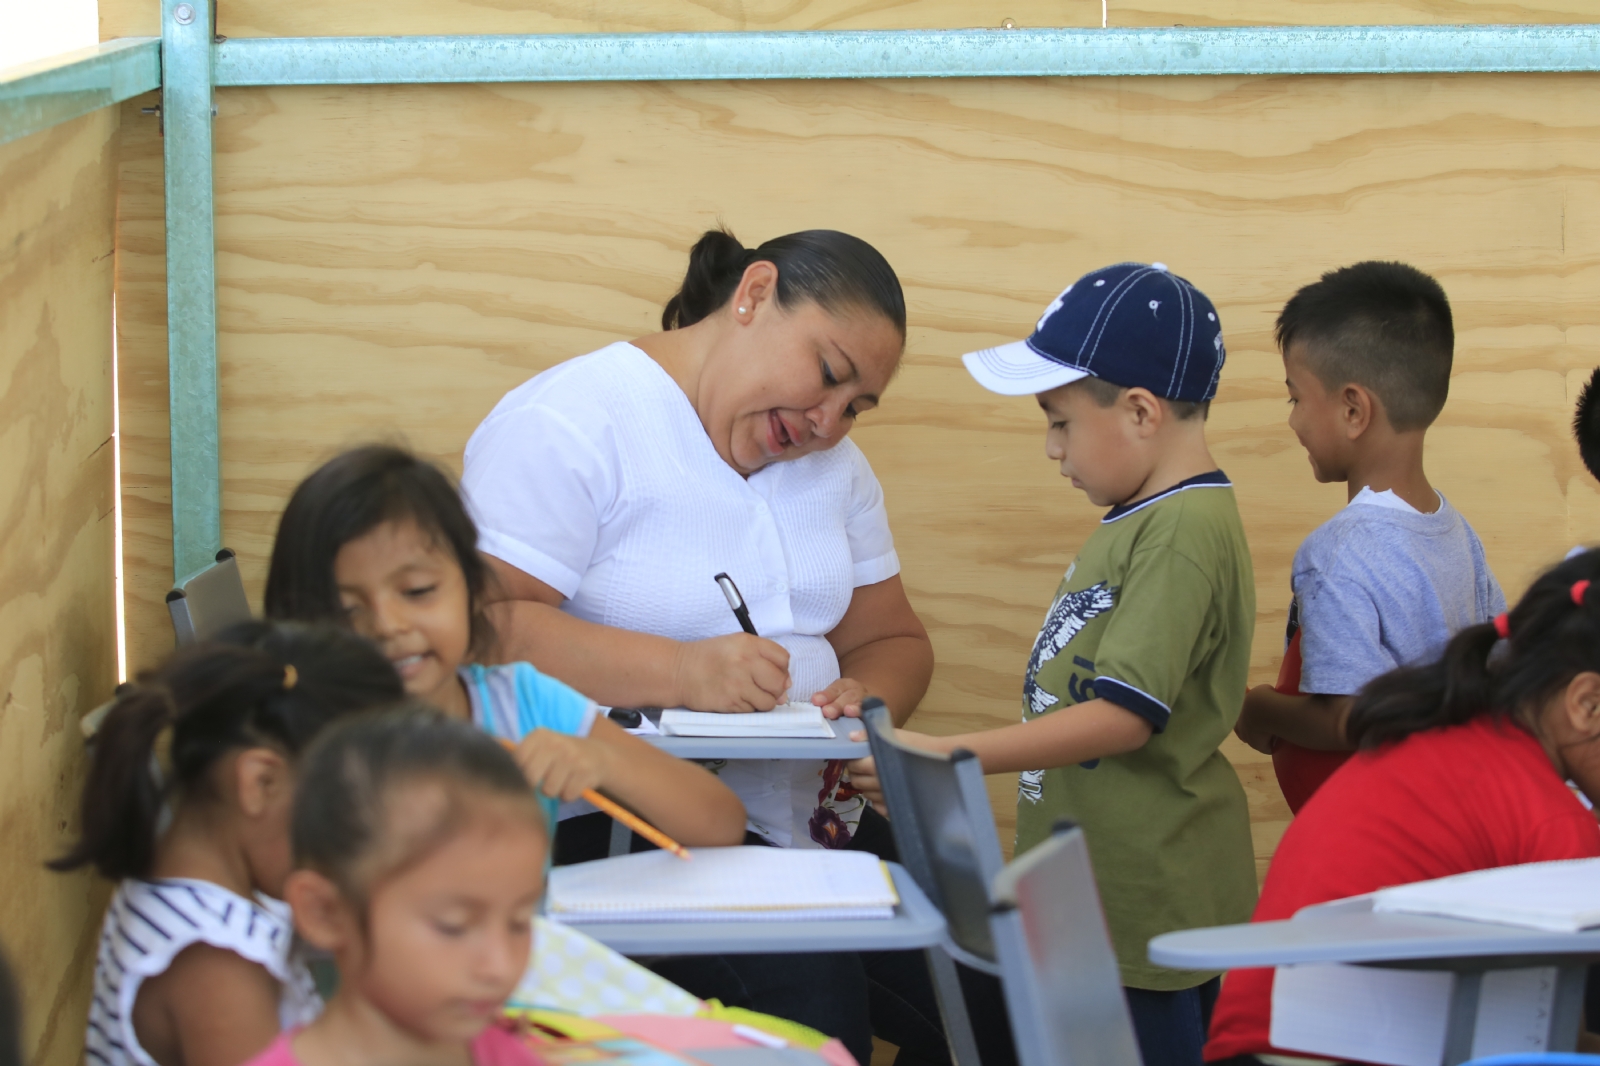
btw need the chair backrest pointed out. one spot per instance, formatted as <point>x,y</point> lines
<point>209,600</point>
<point>1063,988</point>
<point>943,830</point>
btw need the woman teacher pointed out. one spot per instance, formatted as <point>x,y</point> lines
<point>611,489</point>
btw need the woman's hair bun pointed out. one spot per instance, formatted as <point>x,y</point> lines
<point>834,270</point>
<point>716,263</point>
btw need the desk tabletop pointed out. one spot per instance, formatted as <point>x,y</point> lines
<point>840,747</point>
<point>1335,934</point>
<point>917,923</point>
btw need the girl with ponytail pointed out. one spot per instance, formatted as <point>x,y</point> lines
<point>187,806</point>
<point>1465,763</point>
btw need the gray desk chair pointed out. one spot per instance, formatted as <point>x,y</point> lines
<point>944,831</point>
<point>209,600</point>
<point>1063,988</point>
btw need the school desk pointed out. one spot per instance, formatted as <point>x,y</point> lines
<point>1348,931</point>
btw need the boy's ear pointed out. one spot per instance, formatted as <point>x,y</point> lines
<point>1358,409</point>
<point>1582,705</point>
<point>262,781</point>
<point>1147,410</point>
<point>320,912</point>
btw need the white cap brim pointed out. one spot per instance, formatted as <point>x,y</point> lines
<point>1017,370</point>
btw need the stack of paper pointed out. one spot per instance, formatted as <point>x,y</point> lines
<point>751,884</point>
<point>1562,897</point>
<point>791,720</point>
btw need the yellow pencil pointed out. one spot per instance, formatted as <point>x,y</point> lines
<point>626,817</point>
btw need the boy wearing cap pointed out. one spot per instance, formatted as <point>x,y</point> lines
<point>1385,582</point>
<point>1137,673</point>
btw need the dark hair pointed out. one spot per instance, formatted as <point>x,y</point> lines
<point>834,270</point>
<point>10,1017</point>
<point>1586,424</point>
<point>339,825</point>
<point>1105,394</point>
<point>345,499</point>
<point>1384,326</point>
<point>1552,640</point>
<point>257,684</point>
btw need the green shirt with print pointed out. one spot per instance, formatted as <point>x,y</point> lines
<point>1155,615</point>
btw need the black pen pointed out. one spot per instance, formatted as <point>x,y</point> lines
<point>731,592</point>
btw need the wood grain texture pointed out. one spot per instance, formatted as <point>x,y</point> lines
<point>393,259</point>
<point>1345,12</point>
<point>266,18</point>
<point>57,593</point>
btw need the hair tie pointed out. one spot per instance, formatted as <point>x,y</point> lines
<point>1578,589</point>
<point>1502,625</point>
<point>290,676</point>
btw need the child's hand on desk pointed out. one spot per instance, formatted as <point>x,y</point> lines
<point>842,699</point>
<point>863,777</point>
<point>1247,729</point>
<point>863,773</point>
<point>562,766</point>
<point>737,673</point>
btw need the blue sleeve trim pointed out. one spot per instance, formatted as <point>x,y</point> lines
<point>545,703</point>
<point>1131,699</point>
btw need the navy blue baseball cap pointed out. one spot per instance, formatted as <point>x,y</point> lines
<point>1131,324</point>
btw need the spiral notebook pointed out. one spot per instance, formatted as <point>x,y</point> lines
<point>744,884</point>
<point>792,720</point>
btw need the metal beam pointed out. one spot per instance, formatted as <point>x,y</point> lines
<point>191,284</point>
<point>36,96</point>
<point>908,54</point>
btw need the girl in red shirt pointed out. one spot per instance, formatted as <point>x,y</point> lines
<point>1462,765</point>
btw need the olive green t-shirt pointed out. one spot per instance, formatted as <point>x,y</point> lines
<point>1155,615</point>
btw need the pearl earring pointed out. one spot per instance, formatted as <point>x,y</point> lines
<point>741,310</point>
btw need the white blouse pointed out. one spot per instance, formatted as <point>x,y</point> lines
<point>597,478</point>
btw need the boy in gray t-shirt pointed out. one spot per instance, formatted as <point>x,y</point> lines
<point>1386,581</point>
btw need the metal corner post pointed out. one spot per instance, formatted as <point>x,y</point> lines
<point>186,45</point>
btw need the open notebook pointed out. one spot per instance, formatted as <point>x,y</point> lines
<point>791,720</point>
<point>753,884</point>
<point>1561,897</point>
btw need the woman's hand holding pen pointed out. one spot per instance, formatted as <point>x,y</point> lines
<point>562,766</point>
<point>736,673</point>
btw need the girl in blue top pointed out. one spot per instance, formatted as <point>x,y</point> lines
<point>380,540</point>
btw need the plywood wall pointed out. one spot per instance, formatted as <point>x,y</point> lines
<point>391,260</point>
<point>57,608</point>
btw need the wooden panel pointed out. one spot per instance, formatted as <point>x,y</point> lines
<point>268,18</point>
<point>57,596</point>
<point>1345,12</point>
<point>394,259</point>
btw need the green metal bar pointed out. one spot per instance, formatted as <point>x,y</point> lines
<point>36,96</point>
<point>908,54</point>
<point>186,45</point>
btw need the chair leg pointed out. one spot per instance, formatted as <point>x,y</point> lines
<point>952,1009</point>
<point>1566,1008</point>
<point>621,839</point>
<point>1462,1025</point>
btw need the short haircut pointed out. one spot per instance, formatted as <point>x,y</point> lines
<point>1586,423</point>
<point>1105,393</point>
<point>1384,326</point>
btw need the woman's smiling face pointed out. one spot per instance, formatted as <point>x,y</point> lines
<point>786,382</point>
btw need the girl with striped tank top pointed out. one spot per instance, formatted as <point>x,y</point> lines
<point>187,807</point>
